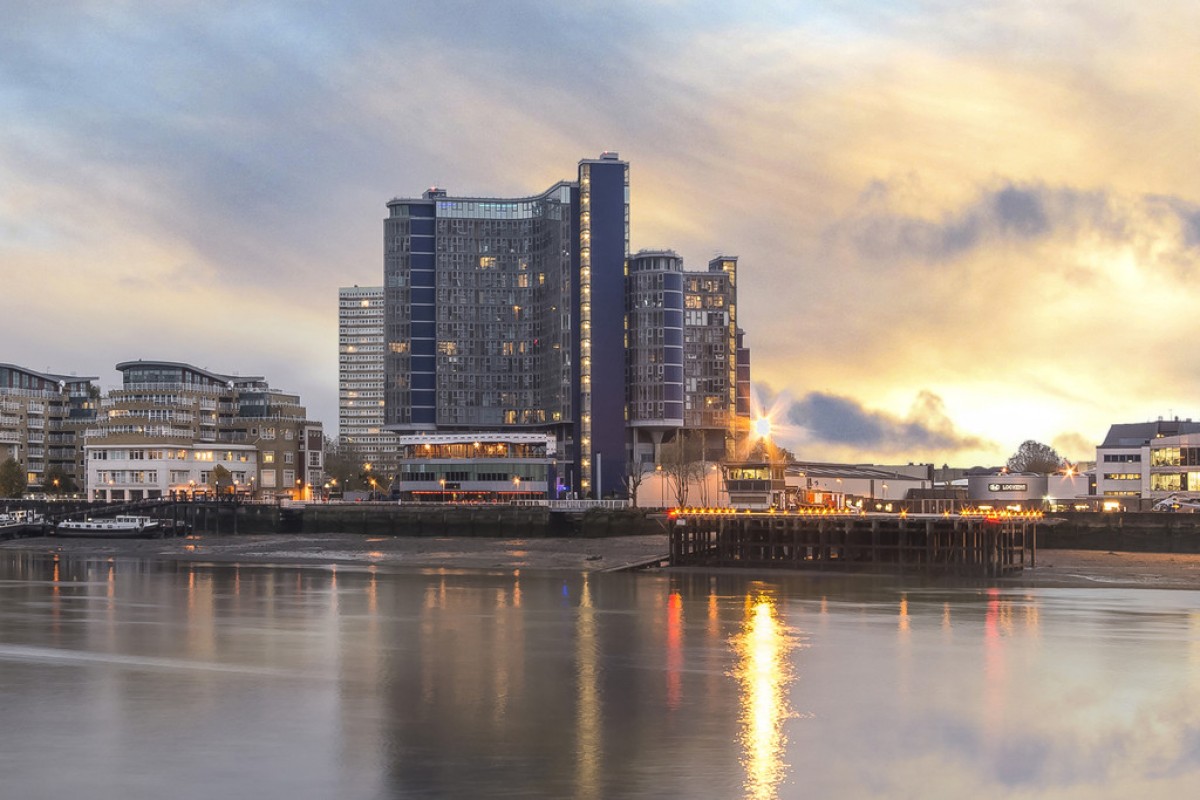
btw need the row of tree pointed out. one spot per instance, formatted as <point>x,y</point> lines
<point>14,482</point>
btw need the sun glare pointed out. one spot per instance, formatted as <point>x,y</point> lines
<point>771,422</point>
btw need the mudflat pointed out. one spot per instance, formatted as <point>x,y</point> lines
<point>1063,568</point>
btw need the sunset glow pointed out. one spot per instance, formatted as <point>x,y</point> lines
<point>934,225</point>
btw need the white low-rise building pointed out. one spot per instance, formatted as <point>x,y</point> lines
<point>123,472</point>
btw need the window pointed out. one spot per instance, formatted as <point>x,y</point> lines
<point>1163,482</point>
<point>1165,457</point>
<point>269,457</point>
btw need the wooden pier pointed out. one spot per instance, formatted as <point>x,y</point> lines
<point>982,546</point>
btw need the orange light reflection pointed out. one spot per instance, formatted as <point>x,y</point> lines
<point>765,674</point>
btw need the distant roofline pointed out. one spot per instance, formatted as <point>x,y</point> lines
<point>1139,434</point>
<point>124,365</point>
<point>49,376</point>
<point>606,157</point>
<point>476,199</point>
<point>846,470</point>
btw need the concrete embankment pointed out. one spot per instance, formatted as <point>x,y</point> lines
<point>412,520</point>
<point>1146,532</point>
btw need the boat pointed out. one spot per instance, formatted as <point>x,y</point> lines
<point>22,522</point>
<point>122,526</point>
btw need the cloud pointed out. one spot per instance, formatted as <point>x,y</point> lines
<point>1075,446</point>
<point>906,185</point>
<point>927,430</point>
<point>1010,214</point>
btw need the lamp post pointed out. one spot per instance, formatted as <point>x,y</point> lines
<point>517,484</point>
<point>442,482</point>
<point>662,489</point>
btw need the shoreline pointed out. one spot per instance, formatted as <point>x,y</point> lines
<point>1056,568</point>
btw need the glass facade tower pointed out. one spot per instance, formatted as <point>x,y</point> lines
<point>508,313</point>
<point>529,315</point>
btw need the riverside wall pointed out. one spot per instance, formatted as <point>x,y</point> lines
<point>1148,531</point>
<point>378,519</point>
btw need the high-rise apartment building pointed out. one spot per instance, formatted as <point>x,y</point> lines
<point>169,425</point>
<point>509,313</point>
<point>684,352</point>
<point>42,418</point>
<point>528,314</point>
<point>711,355</point>
<point>361,378</point>
<point>654,351</point>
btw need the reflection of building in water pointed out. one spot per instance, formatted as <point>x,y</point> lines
<point>765,674</point>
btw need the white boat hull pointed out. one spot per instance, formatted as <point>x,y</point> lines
<point>119,528</point>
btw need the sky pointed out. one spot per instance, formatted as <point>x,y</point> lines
<point>960,226</point>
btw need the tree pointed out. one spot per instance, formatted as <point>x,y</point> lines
<point>682,463</point>
<point>633,478</point>
<point>218,476</point>
<point>13,480</point>
<point>766,450</point>
<point>1034,456</point>
<point>345,466</point>
<point>58,481</point>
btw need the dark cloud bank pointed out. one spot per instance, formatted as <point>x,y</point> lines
<point>1015,213</point>
<point>843,421</point>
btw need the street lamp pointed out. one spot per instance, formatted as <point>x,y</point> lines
<point>662,489</point>
<point>517,484</point>
<point>442,481</point>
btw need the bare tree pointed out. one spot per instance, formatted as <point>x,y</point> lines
<point>682,463</point>
<point>633,478</point>
<point>1034,456</point>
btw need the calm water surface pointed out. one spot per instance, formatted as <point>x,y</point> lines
<point>133,679</point>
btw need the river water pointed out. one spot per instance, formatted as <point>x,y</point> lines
<point>152,679</point>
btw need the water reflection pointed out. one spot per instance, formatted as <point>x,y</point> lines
<point>764,670</point>
<point>127,678</point>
